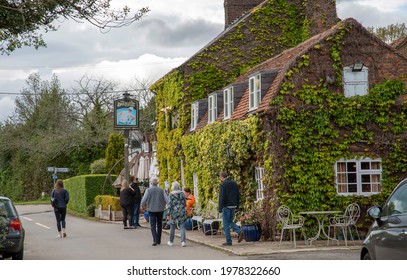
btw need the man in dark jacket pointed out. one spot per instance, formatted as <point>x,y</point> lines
<point>228,203</point>
<point>137,199</point>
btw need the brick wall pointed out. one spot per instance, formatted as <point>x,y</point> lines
<point>235,8</point>
<point>320,13</point>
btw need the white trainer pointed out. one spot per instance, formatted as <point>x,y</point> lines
<point>183,244</point>
<point>169,243</point>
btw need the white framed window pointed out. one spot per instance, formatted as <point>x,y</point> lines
<point>254,92</point>
<point>355,82</point>
<point>228,103</point>
<point>194,115</point>
<point>154,146</point>
<point>212,108</point>
<point>358,176</point>
<point>258,174</point>
<point>195,182</point>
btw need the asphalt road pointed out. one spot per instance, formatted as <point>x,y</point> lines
<point>94,240</point>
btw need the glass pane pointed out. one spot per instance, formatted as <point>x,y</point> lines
<point>341,167</point>
<point>341,178</point>
<point>366,188</point>
<point>376,188</point>
<point>365,165</point>
<point>351,166</point>
<point>341,188</point>
<point>352,188</point>
<point>375,165</point>
<point>366,178</point>
<point>375,178</point>
<point>352,178</point>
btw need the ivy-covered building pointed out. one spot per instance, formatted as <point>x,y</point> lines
<point>299,107</point>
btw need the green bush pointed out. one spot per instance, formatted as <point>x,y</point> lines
<point>106,200</point>
<point>83,190</point>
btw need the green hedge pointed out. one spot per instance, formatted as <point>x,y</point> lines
<point>83,190</point>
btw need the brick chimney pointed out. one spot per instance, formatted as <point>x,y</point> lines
<point>321,14</point>
<point>234,9</point>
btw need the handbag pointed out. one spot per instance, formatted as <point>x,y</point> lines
<point>54,202</point>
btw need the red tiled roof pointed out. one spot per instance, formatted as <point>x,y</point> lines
<point>399,42</point>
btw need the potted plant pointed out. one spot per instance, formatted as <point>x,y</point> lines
<point>250,224</point>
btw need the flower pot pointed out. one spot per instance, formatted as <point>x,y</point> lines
<point>251,232</point>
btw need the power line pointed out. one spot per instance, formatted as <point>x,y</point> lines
<point>77,93</point>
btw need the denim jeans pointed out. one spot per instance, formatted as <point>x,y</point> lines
<point>156,224</point>
<point>227,219</point>
<point>181,230</point>
<point>136,215</point>
<point>60,214</point>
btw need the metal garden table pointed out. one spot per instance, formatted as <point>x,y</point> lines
<point>320,216</point>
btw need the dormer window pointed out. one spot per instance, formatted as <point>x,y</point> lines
<point>212,108</point>
<point>194,115</point>
<point>355,81</point>
<point>228,102</point>
<point>254,92</point>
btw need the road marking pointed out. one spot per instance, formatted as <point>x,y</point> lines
<point>28,219</point>
<point>41,225</point>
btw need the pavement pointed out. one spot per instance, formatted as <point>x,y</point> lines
<point>261,247</point>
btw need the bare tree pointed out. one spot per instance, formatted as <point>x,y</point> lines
<point>21,20</point>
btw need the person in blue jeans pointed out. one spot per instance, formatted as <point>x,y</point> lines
<point>154,201</point>
<point>176,213</point>
<point>229,198</point>
<point>137,200</point>
<point>61,196</point>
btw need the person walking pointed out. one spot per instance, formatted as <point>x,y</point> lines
<point>61,196</point>
<point>127,204</point>
<point>176,213</point>
<point>154,201</point>
<point>137,199</point>
<point>229,197</point>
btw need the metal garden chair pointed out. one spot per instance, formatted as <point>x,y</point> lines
<point>346,222</point>
<point>290,222</point>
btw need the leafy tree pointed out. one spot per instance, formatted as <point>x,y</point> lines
<point>98,166</point>
<point>41,135</point>
<point>115,153</point>
<point>389,33</point>
<point>20,21</point>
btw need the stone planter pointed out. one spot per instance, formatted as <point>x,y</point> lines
<point>251,232</point>
<point>108,214</point>
<point>116,215</point>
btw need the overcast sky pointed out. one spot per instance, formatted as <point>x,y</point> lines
<point>170,33</point>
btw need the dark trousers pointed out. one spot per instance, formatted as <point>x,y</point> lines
<point>156,225</point>
<point>60,214</point>
<point>128,211</point>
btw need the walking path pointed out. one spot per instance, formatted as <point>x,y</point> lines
<point>261,247</point>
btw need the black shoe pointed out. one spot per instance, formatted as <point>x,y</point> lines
<point>126,227</point>
<point>227,244</point>
<point>241,236</point>
<point>154,244</point>
<point>138,226</point>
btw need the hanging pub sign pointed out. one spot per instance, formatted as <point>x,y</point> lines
<point>126,113</point>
